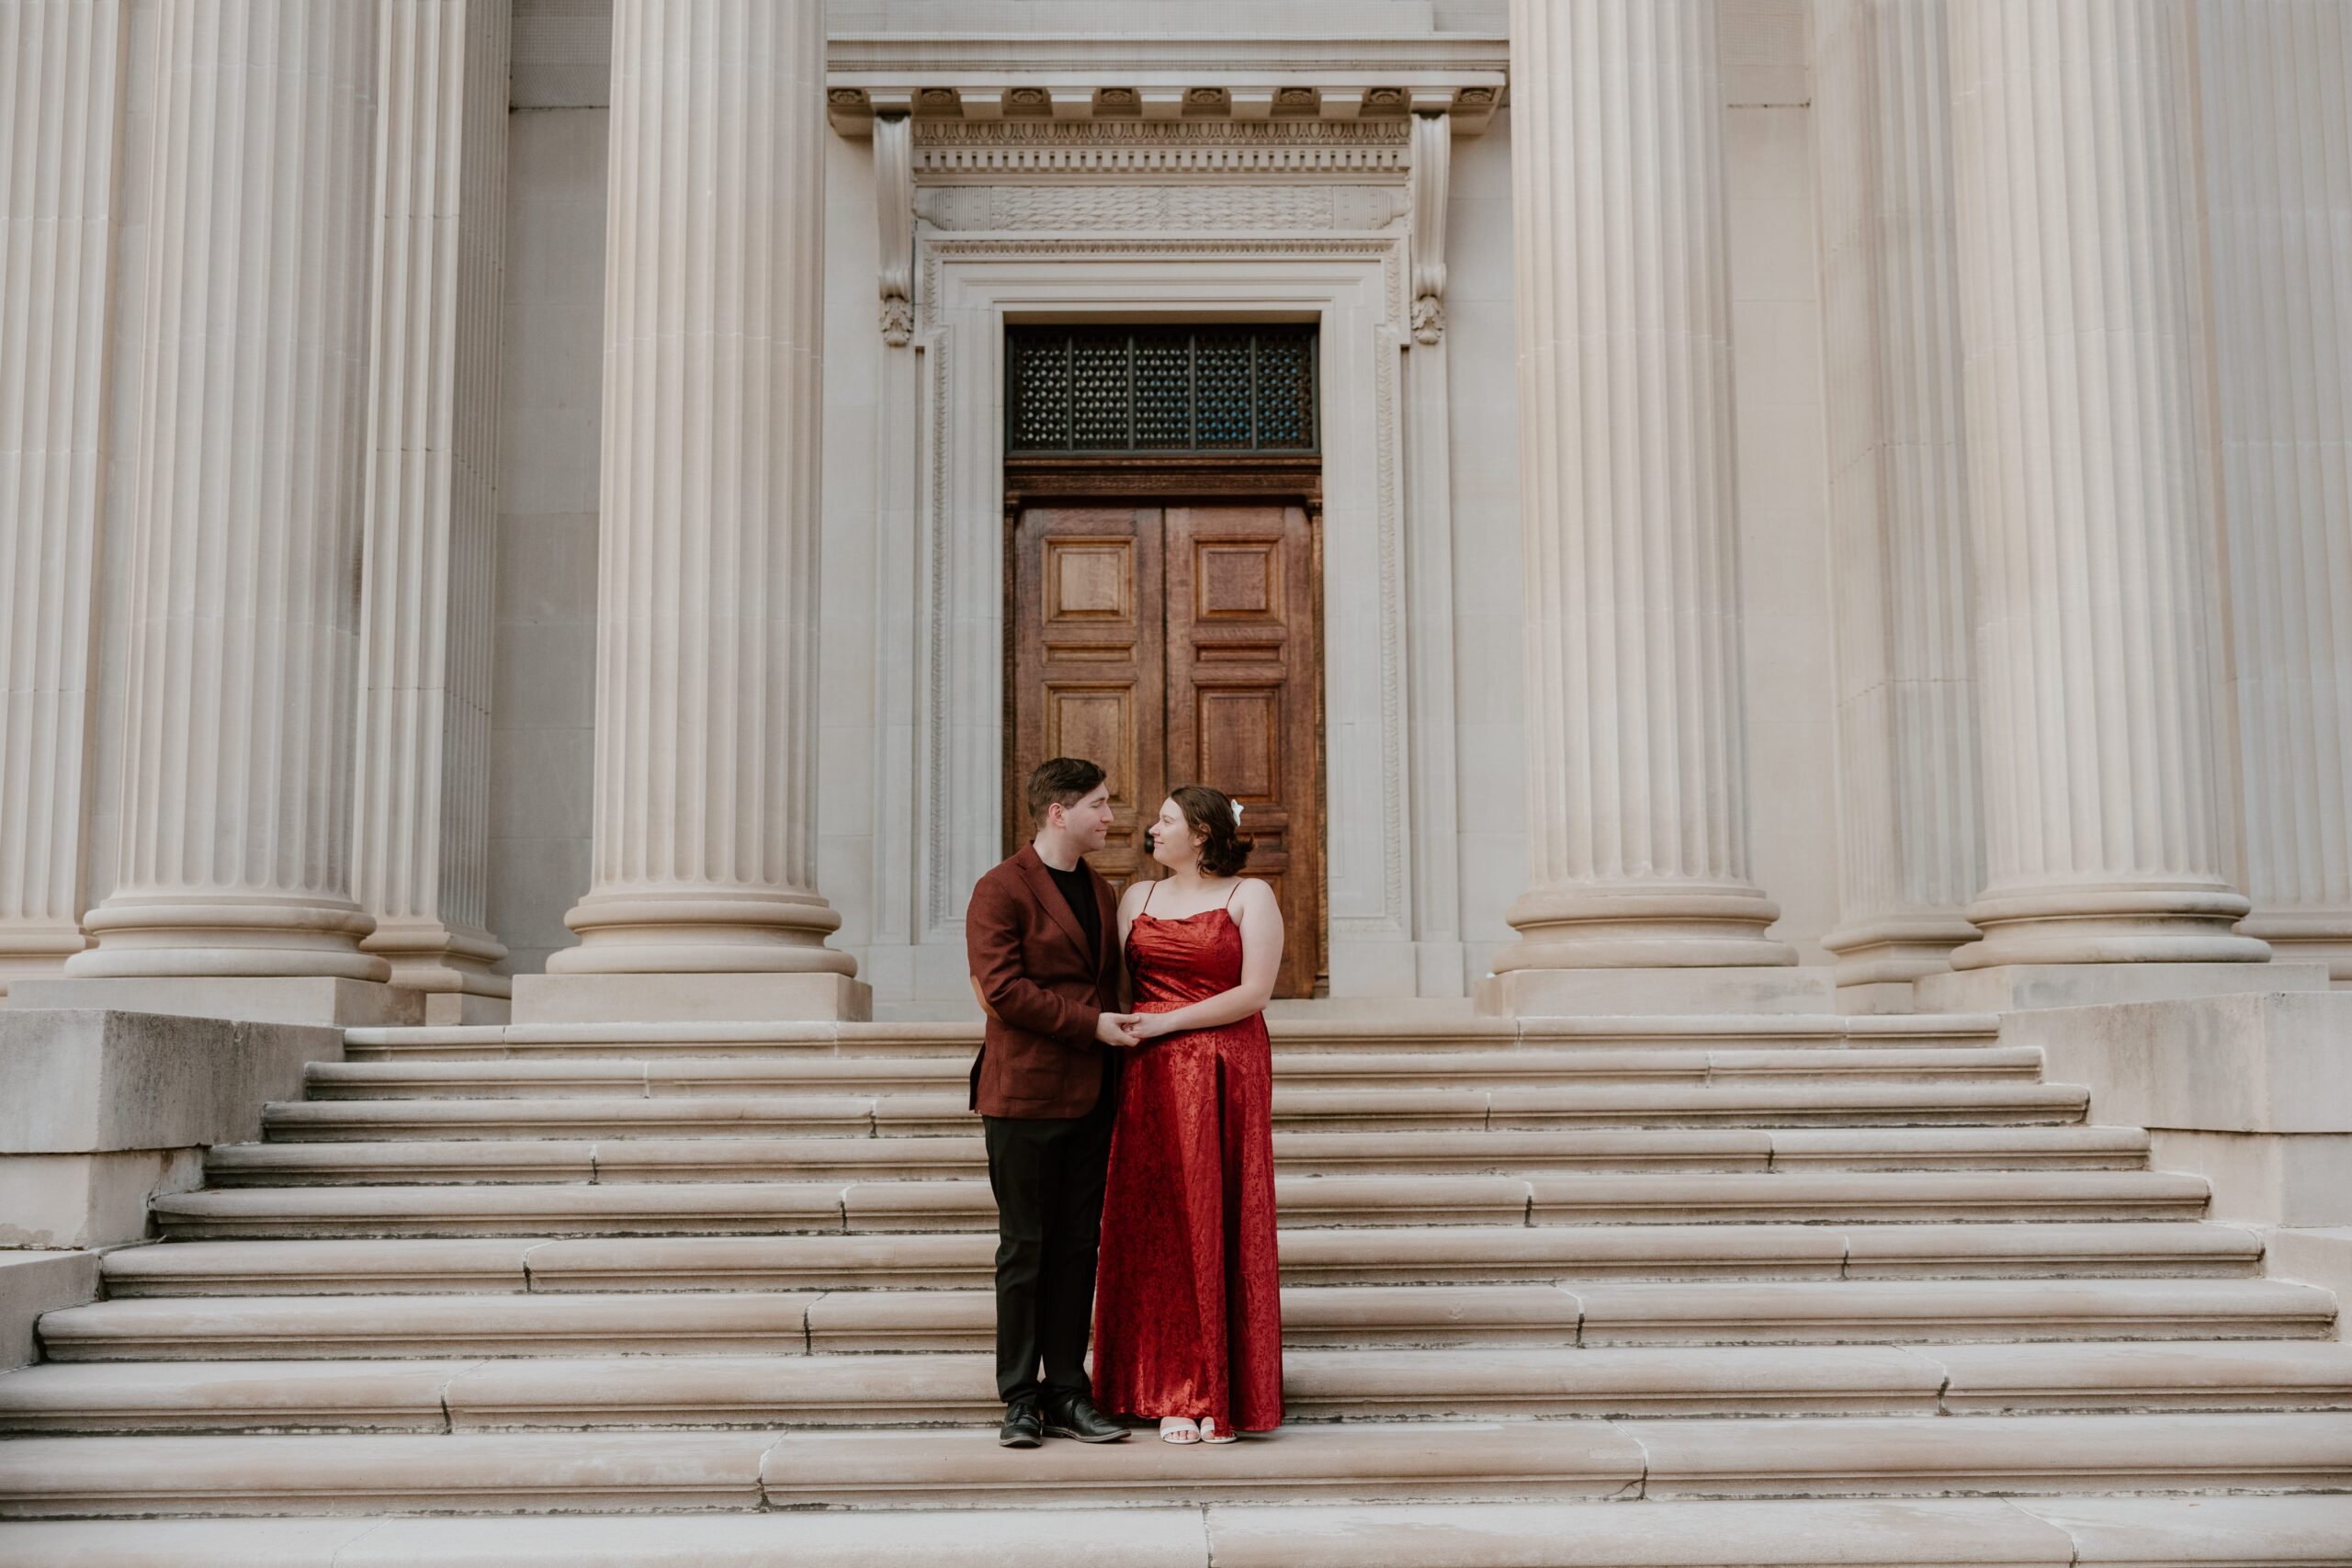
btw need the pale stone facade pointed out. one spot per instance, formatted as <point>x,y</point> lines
<point>1833,611</point>
<point>1783,549</point>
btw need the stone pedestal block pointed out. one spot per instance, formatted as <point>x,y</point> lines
<point>105,1110</point>
<point>294,1000</point>
<point>690,998</point>
<point>32,1284</point>
<point>2009,987</point>
<point>1541,993</point>
<point>2253,1091</point>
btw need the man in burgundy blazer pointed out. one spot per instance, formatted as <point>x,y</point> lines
<point>1041,934</point>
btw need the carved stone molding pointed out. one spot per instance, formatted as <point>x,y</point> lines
<point>894,207</point>
<point>1359,284</point>
<point>945,150</point>
<point>1433,161</point>
<point>1179,208</point>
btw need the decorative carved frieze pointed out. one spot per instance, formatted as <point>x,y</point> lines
<point>1179,208</point>
<point>945,148</point>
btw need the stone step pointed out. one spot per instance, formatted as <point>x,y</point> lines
<point>804,1159</point>
<point>1457,1254</point>
<point>1728,1103</point>
<point>2289,1530</point>
<point>1319,1029</point>
<point>127,1397</point>
<point>1470,1067</point>
<point>1571,1198</point>
<point>789,1322</point>
<point>1501,1460</point>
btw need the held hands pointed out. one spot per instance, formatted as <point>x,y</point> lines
<point>1118,1029</point>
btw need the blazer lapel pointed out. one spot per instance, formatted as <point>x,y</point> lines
<point>1042,887</point>
<point>1107,903</point>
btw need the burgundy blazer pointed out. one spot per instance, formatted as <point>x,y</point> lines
<point>1042,990</point>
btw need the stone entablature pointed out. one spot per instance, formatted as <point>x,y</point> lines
<point>1206,80</point>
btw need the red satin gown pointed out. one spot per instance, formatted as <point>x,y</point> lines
<point>1187,1298</point>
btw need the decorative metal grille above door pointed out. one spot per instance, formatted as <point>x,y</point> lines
<point>1169,390</point>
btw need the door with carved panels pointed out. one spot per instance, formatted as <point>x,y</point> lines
<point>1176,645</point>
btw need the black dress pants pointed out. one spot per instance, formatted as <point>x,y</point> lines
<point>1048,1175</point>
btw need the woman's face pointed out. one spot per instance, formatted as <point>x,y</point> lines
<point>1173,842</point>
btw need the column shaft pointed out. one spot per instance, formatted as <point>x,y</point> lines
<point>2089,486</point>
<point>2279,173</point>
<point>242,605</point>
<point>706,634</point>
<point>1910,841</point>
<point>61,69</point>
<point>423,801</point>
<point>1635,716</point>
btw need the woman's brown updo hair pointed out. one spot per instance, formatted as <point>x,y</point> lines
<point>1224,852</point>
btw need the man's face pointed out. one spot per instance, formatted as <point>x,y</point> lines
<point>1087,820</point>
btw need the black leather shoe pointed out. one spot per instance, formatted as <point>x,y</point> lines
<point>1076,1416</point>
<point>1022,1428</point>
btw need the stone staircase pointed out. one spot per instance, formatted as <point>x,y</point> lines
<point>718,1294</point>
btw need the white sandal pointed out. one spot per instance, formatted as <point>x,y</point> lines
<point>1179,1429</point>
<point>1210,1434</point>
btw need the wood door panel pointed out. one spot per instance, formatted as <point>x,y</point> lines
<point>1087,660</point>
<point>1242,675</point>
<point>1173,645</point>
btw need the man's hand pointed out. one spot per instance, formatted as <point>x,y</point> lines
<point>1112,1029</point>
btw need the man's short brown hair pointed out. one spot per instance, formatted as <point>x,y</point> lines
<point>1063,780</point>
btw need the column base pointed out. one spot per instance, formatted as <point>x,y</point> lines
<point>2012,987</point>
<point>2306,937</point>
<point>37,950</point>
<point>308,998</point>
<point>702,931</point>
<point>453,969</point>
<point>755,997</point>
<point>2111,923</point>
<point>1897,950</point>
<point>1644,925</point>
<point>1562,993</point>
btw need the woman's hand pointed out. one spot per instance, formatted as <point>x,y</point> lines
<point>1147,1025</point>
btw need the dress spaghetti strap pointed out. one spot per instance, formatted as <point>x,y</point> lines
<point>1148,889</point>
<point>1231,892</point>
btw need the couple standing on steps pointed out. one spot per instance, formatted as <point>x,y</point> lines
<point>1147,1134</point>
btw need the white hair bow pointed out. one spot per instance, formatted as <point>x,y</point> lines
<point>1237,814</point>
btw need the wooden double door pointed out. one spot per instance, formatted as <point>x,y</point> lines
<point>1176,645</point>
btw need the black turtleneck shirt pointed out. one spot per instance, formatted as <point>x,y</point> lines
<point>1078,891</point>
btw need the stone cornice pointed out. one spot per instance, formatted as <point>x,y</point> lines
<point>1049,79</point>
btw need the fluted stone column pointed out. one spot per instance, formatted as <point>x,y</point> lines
<point>61,70</point>
<point>1634,717</point>
<point>2278,178</point>
<point>2089,489</point>
<point>1910,842</point>
<point>424,771</point>
<point>233,889</point>
<point>703,901</point>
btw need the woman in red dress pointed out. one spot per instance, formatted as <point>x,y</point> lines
<point>1187,1322</point>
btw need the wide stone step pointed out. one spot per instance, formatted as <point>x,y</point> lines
<point>1570,1197</point>
<point>1501,1460</point>
<point>1459,1254</point>
<point>1598,1313</point>
<point>1743,1102</point>
<point>805,1158</point>
<point>99,1398</point>
<point>1316,1028</point>
<point>1469,1067</point>
<point>2286,1530</point>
